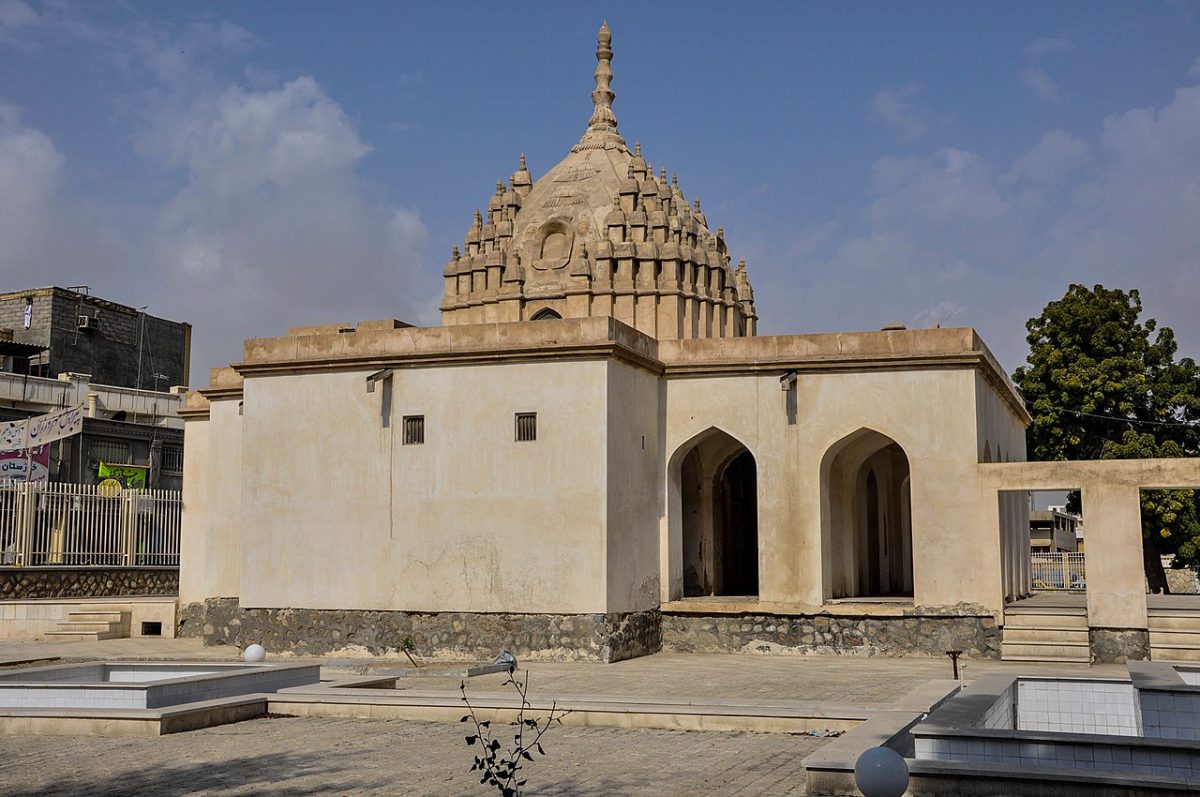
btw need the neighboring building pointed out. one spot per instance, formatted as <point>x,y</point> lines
<point>597,457</point>
<point>116,344</point>
<point>1053,531</point>
<point>48,364</point>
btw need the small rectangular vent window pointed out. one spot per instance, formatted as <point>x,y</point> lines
<point>526,426</point>
<point>414,430</point>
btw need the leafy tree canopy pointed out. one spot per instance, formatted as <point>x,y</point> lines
<point>1101,383</point>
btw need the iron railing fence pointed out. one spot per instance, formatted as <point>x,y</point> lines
<point>78,525</point>
<point>1063,571</point>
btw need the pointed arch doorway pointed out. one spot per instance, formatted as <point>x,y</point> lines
<point>717,487</point>
<point>867,517</point>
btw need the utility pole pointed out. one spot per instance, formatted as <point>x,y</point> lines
<point>141,334</point>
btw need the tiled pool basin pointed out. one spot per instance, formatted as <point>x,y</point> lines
<point>125,685</point>
<point>1148,725</point>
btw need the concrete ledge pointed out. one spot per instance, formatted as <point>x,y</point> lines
<point>129,722</point>
<point>830,770</point>
<point>331,700</point>
<point>934,779</point>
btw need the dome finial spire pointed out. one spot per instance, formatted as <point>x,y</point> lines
<point>602,126</point>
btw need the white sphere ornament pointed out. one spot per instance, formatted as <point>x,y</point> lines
<point>254,654</point>
<point>881,772</point>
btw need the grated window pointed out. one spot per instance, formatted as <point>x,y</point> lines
<point>526,426</point>
<point>172,460</point>
<point>414,430</point>
<point>111,452</point>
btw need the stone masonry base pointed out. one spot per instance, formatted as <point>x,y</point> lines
<point>33,583</point>
<point>1118,645</point>
<point>596,637</point>
<point>920,632</point>
<point>443,635</point>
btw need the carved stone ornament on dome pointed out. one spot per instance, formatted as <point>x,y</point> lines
<point>552,246</point>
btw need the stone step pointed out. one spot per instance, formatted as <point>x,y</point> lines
<point>1050,651</point>
<point>1047,618</point>
<point>93,623</point>
<point>60,634</point>
<point>1074,611</point>
<point>97,617</point>
<point>1075,622</point>
<point>1182,622</point>
<point>1164,653</point>
<point>1068,636</point>
<point>1174,638</point>
<point>84,625</point>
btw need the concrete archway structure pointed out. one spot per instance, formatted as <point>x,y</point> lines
<point>866,517</point>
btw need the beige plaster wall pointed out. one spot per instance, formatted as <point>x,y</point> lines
<point>210,541</point>
<point>1001,438</point>
<point>929,412</point>
<point>343,515</point>
<point>635,416</point>
<point>197,507</point>
<point>223,552</point>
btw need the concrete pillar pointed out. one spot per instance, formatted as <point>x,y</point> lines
<point>1116,591</point>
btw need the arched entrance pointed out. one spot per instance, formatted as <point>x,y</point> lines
<point>546,314</point>
<point>867,517</point>
<point>718,502</point>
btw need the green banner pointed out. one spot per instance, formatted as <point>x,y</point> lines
<point>130,476</point>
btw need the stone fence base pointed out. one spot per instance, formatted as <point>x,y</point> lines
<point>443,635</point>
<point>597,637</point>
<point>32,583</point>
<point>920,632</point>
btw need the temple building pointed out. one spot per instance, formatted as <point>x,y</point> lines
<point>599,235</point>
<point>596,456</point>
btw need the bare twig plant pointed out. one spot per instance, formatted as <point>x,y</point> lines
<point>500,765</point>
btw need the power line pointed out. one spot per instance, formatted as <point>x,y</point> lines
<point>1184,424</point>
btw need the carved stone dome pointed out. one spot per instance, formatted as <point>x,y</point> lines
<point>599,234</point>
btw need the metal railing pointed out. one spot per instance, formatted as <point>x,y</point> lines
<point>1058,571</point>
<point>75,525</point>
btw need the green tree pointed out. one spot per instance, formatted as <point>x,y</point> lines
<point>1102,384</point>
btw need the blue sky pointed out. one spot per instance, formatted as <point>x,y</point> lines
<point>250,166</point>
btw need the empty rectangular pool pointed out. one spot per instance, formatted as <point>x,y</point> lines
<point>116,685</point>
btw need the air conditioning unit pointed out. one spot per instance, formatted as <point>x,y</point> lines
<point>86,322</point>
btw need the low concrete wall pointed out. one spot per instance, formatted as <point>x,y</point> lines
<point>29,583</point>
<point>445,635</point>
<point>926,632</point>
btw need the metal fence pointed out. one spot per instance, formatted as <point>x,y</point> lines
<point>1058,571</point>
<point>75,525</point>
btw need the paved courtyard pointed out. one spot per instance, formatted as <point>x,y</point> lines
<point>293,757</point>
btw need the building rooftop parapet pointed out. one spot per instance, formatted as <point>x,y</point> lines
<point>372,344</point>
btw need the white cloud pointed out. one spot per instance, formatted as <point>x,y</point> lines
<point>1039,82</point>
<point>952,231</point>
<point>16,14</point>
<point>1056,156</point>
<point>893,106</point>
<point>43,229</point>
<point>274,226</point>
<point>266,220</point>
<point>1046,45</point>
<point>941,314</point>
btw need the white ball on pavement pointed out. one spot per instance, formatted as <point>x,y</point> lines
<point>254,654</point>
<point>881,772</point>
